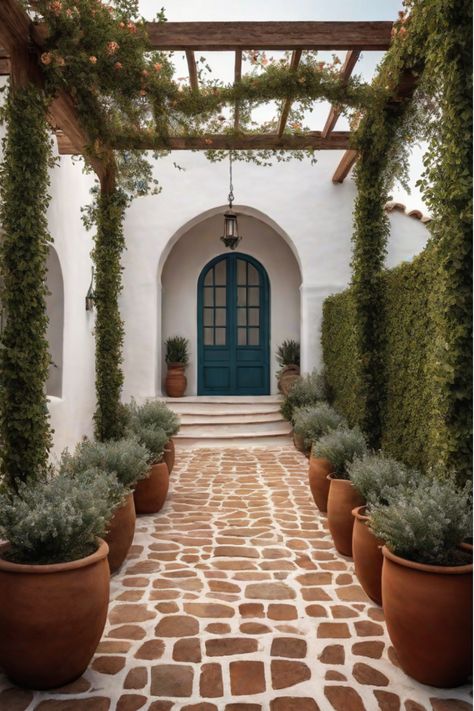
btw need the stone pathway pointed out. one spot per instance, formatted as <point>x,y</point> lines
<point>234,599</point>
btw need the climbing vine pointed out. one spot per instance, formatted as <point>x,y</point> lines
<point>24,361</point>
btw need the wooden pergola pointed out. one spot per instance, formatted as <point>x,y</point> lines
<point>22,41</point>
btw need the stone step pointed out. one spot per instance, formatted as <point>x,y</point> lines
<point>241,429</point>
<point>281,440</point>
<point>228,418</point>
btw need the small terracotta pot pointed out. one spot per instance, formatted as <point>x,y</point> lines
<point>343,497</point>
<point>288,375</point>
<point>176,381</point>
<point>120,534</point>
<point>318,472</point>
<point>367,553</point>
<point>428,609</point>
<point>150,493</point>
<point>52,618</point>
<point>169,455</point>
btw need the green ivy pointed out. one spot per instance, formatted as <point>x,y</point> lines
<point>109,243</point>
<point>24,359</point>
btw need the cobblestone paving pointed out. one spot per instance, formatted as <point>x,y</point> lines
<point>234,599</point>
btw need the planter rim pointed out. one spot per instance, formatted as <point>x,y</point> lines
<point>426,568</point>
<point>319,459</point>
<point>11,567</point>
<point>359,513</point>
<point>334,477</point>
<point>175,364</point>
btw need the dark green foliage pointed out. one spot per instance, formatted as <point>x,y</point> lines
<point>307,390</point>
<point>24,358</point>
<point>177,350</point>
<point>288,353</point>
<point>109,243</point>
<point>58,519</point>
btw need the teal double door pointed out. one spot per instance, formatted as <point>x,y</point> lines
<point>233,327</point>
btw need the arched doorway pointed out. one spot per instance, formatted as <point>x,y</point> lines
<point>233,327</point>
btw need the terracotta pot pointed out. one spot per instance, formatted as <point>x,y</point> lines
<point>318,472</point>
<point>368,558</point>
<point>288,375</point>
<point>343,497</point>
<point>52,618</point>
<point>169,455</point>
<point>176,381</point>
<point>298,441</point>
<point>428,609</point>
<point>150,493</point>
<point>120,534</point>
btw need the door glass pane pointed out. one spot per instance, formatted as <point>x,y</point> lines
<point>254,317</point>
<point>254,296</point>
<point>242,337</point>
<point>241,317</point>
<point>208,317</point>
<point>253,276</point>
<point>209,296</point>
<point>220,317</point>
<point>208,336</point>
<point>254,335</point>
<point>220,296</point>
<point>208,280</point>
<point>220,336</point>
<point>220,273</point>
<point>241,272</point>
<point>241,296</point>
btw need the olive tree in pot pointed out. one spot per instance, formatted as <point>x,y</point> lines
<point>340,447</point>
<point>54,575</point>
<point>157,414</point>
<point>427,579</point>
<point>377,479</point>
<point>150,493</point>
<point>177,358</point>
<point>126,459</point>
<point>288,358</point>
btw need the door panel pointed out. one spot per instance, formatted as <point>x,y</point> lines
<point>233,327</point>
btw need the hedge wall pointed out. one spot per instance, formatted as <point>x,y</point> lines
<point>412,429</point>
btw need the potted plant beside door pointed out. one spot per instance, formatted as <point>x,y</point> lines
<point>288,358</point>
<point>177,358</point>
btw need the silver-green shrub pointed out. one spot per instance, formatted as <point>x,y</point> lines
<point>427,523</point>
<point>378,478</point>
<point>340,446</point>
<point>154,413</point>
<point>307,390</point>
<point>143,424</point>
<point>314,421</point>
<point>127,458</point>
<point>58,519</point>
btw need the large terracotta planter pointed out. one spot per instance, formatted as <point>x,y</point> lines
<point>367,553</point>
<point>288,375</point>
<point>428,609</point>
<point>52,618</point>
<point>169,455</point>
<point>176,381</point>
<point>319,470</point>
<point>298,441</point>
<point>343,497</point>
<point>150,493</point>
<point>120,534</point>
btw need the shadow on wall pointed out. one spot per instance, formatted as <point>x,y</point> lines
<point>55,311</point>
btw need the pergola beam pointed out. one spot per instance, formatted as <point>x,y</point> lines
<point>313,140</point>
<point>222,36</point>
<point>295,60</point>
<point>345,165</point>
<point>346,70</point>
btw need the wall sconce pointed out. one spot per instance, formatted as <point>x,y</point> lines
<point>90,296</point>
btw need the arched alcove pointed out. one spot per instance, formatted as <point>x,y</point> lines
<point>55,311</point>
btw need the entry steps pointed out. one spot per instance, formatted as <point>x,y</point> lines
<point>230,421</point>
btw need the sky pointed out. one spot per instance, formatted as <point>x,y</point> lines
<point>222,63</point>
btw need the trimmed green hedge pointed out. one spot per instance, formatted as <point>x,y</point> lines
<point>412,428</point>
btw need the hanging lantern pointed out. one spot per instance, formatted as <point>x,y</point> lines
<point>231,237</point>
<point>90,296</point>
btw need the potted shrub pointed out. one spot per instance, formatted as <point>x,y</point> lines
<point>378,479</point>
<point>288,358</point>
<point>307,390</point>
<point>322,420</point>
<point>150,493</point>
<point>340,447</point>
<point>126,459</point>
<point>54,576</point>
<point>427,580</point>
<point>177,358</point>
<point>156,413</point>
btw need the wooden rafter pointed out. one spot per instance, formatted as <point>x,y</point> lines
<point>221,36</point>
<point>237,78</point>
<point>345,165</point>
<point>193,75</point>
<point>295,60</point>
<point>346,70</point>
<point>313,139</point>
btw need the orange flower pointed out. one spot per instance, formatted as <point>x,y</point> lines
<point>132,27</point>
<point>46,58</point>
<point>92,59</point>
<point>112,47</point>
<point>145,73</point>
<point>118,66</point>
<point>60,60</point>
<point>55,6</point>
<point>158,67</point>
<point>208,141</point>
<point>142,92</point>
<point>402,31</point>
